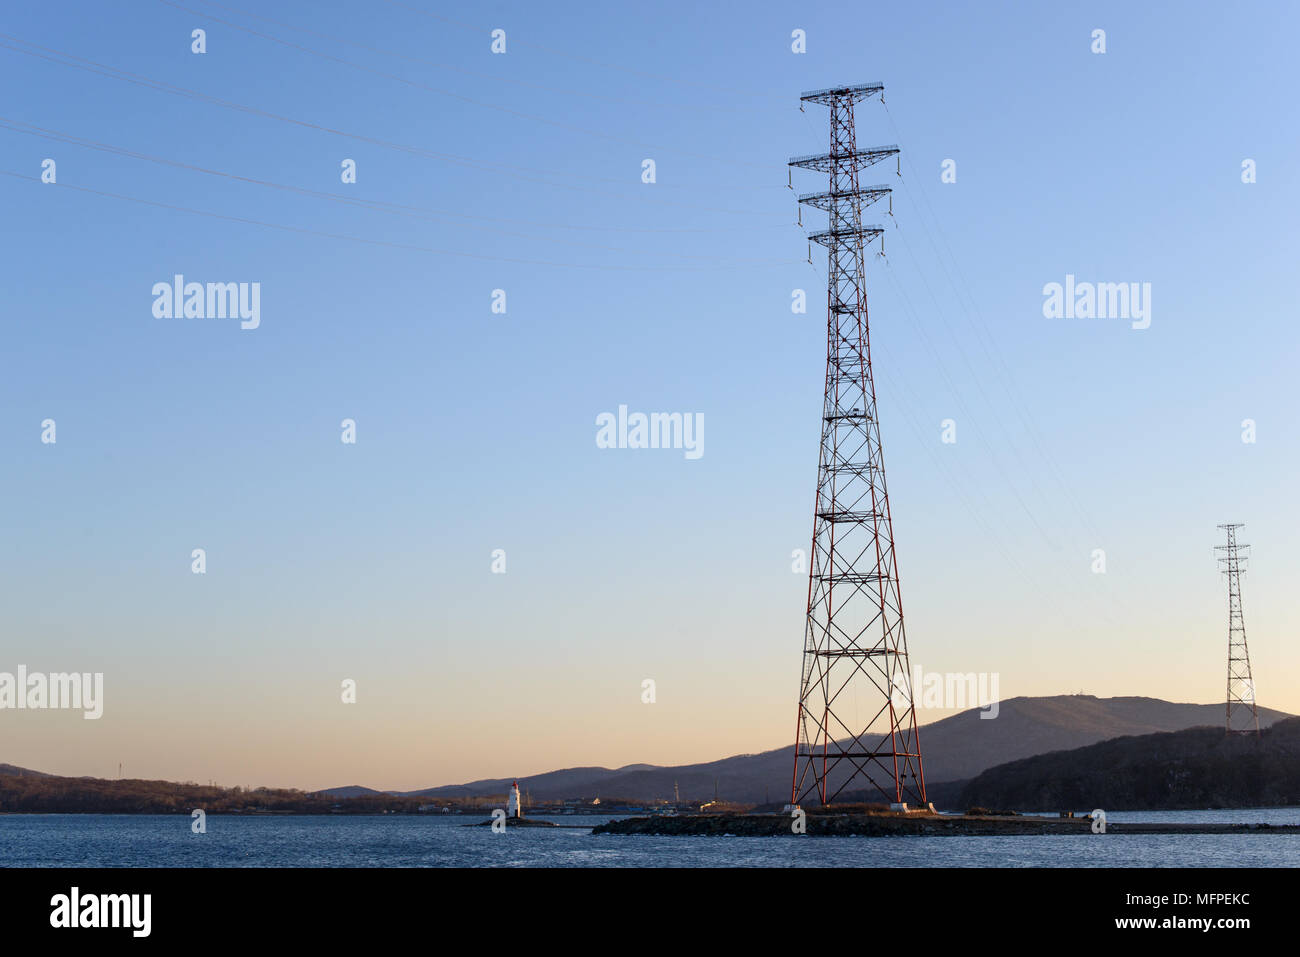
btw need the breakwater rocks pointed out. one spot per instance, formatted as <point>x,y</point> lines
<point>515,822</point>
<point>900,825</point>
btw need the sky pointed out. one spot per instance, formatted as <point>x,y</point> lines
<point>475,430</point>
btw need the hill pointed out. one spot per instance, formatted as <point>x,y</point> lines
<point>1194,768</point>
<point>349,791</point>
<point>30,792</point>
<point>21,772</point>
<point>955,749</point>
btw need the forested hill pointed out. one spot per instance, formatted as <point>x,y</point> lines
<point>24,791</point>
<point>1195,768</point>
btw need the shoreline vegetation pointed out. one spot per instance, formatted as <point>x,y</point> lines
<point>31,792</point>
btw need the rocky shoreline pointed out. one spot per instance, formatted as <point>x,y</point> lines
<point>898,825</point>
<point>516,822</point>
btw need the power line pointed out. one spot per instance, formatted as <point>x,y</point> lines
<point>394,209</point>
<point>472,101</point>
<point>91,66</point>
<point>477,74</point>
<point>355,239</point>
<point>957,396</point>
<point>662,77</point>
<point>960,487</point>
<point>993,355</point>
<point>911,311</point>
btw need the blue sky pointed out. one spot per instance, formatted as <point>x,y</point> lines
<point>475,431</point>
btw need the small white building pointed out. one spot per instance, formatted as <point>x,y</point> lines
<point>513,808</point>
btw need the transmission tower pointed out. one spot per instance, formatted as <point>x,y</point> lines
<point>1242,717</point>
<point>856,726</point>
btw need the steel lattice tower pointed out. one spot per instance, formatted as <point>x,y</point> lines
<point>856,725</point>
<point>1242,717</point>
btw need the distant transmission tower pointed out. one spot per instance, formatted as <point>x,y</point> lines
<point>1242,717</point>
<point>856,725</point>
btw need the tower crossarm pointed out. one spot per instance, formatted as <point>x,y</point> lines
<point>856,159</point>
<point>854,93</point>
<point>829,237</point>
<point>832,201</point>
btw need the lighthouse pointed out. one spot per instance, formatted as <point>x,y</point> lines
<point>512,802</point>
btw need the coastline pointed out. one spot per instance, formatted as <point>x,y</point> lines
<point>928,825</point>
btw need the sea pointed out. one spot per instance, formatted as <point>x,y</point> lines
<point>437,840</point>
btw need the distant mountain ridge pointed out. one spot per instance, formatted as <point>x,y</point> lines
<point>954,749</point>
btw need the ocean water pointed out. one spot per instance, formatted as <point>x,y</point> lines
<point>119,840</point>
